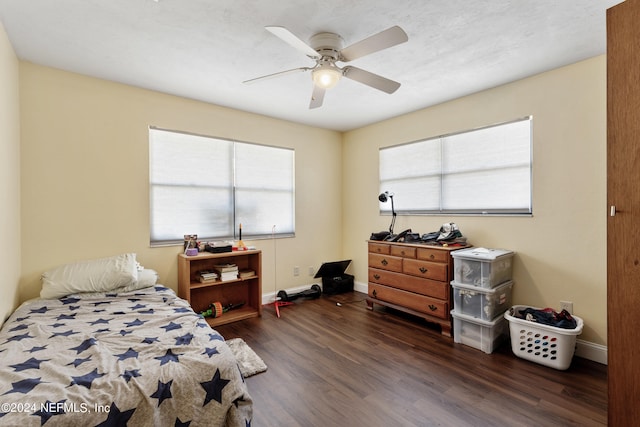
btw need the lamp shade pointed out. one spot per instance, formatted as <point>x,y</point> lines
<point>326,76</point>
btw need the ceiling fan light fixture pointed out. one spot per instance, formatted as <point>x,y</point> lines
<point>326,76</point>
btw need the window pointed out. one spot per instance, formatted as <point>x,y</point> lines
<point>479,172</point>
<point>208,186</point>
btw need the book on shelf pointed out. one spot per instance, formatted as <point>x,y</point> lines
<point>222,268</point>
<point>229,275</point>
<point>246,272</point>
<point>208,276</point>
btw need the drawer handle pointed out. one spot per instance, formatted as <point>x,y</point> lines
<point>432,307</point>
<point>423,270</point>
<point>402,253</point>
<point>374,293</point>
<point>432,256</point>
<point>384,262</point>
<point>376,276</point>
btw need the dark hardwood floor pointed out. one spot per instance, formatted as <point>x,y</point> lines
<point>331,365</point>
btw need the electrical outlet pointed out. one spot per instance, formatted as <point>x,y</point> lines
<point>566,305</point>
<point>311,270</point>
<point>296,271</point>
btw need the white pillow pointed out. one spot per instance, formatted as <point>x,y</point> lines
<point>98,275</point>
<point>146,279</point>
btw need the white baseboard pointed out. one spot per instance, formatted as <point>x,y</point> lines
<point>595,352</point>
<point>585,349</point>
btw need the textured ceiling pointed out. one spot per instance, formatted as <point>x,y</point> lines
<point>205,49</point>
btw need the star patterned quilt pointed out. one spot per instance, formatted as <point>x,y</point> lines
<point>140,358</point>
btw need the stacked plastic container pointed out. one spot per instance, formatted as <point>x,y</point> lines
<point>482,289</point>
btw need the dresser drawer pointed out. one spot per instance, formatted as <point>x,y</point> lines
<point>379,248</point>
<point>420,303</point>
<point>385,262</point>
<point>426,269</point>
<point>418,285</point>
<point>433,255</point>
<point>403,251</point>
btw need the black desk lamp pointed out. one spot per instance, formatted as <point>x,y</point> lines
<point>383,197</point>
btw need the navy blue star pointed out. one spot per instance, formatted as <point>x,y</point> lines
<point>138,307</point>
<point>202,324</point>
<point>168,357</point>
<point>133,299</point>
<point>21,319</point>
<point>86,379</point>
<point>182,310</point>
<point>69,300</point>
<point>57,325</point>
<point>64,334</point>
<point>181,424</point>
<point>32,363</point>
<point>40,310</point>
<point>24,386</point>
<point>100,310</point>
<point>36,348</point>
<point>131,353</point>
<point>95,304</point>
<point>133,323</point>
<point>102,330</point>
<point>111,295</point>
<point>171,326</point>
<point>215,337</point>
<point>58,409</point>
<point>185,339</point>
<point>123,332</point>
<point>18,337</point>
<point>214,388</point>
<point>84,345</point>
<point>116,418</point>
<point>128,374</point>
<point>148,311</point>
<point>163,392</point>
<point>118,313</point>
<point>98,321</point>
<point>74,307</point>
<point>150,340</point>
<point>79,361</point>
<point>210,351</point>
<point>19,327</point>
<point>66,316</point>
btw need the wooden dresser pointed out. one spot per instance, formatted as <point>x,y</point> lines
<point>413,278</point>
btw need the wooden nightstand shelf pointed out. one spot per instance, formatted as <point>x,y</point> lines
<point>247,290</point>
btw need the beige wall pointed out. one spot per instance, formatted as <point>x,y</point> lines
<point>85,176</point>
<point>85,181</point>
<point>561,249</point>
<point>10,241</point>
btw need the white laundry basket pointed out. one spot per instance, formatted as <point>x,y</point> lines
<point>543,344</point>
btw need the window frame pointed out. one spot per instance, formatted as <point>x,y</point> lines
<point>233,188</point>
<point>385,208</point>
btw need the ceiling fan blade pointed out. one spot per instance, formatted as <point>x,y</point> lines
<point>382,40</point>
<point>291,39</point>
<point>371,79</point>
<point>316,97</point>
<point>278,74</point>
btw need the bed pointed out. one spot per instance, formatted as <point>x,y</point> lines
<point>132,355</point>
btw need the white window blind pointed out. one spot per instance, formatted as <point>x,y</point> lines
<point>208,186</point>
<point>483,171</point>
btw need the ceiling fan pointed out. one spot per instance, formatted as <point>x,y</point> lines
<point>326,49</point>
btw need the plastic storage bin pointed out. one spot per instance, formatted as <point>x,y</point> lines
<point>543,344</point>
<point>480,334</point>
<point>486,268</point>
<point>484,304</point>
